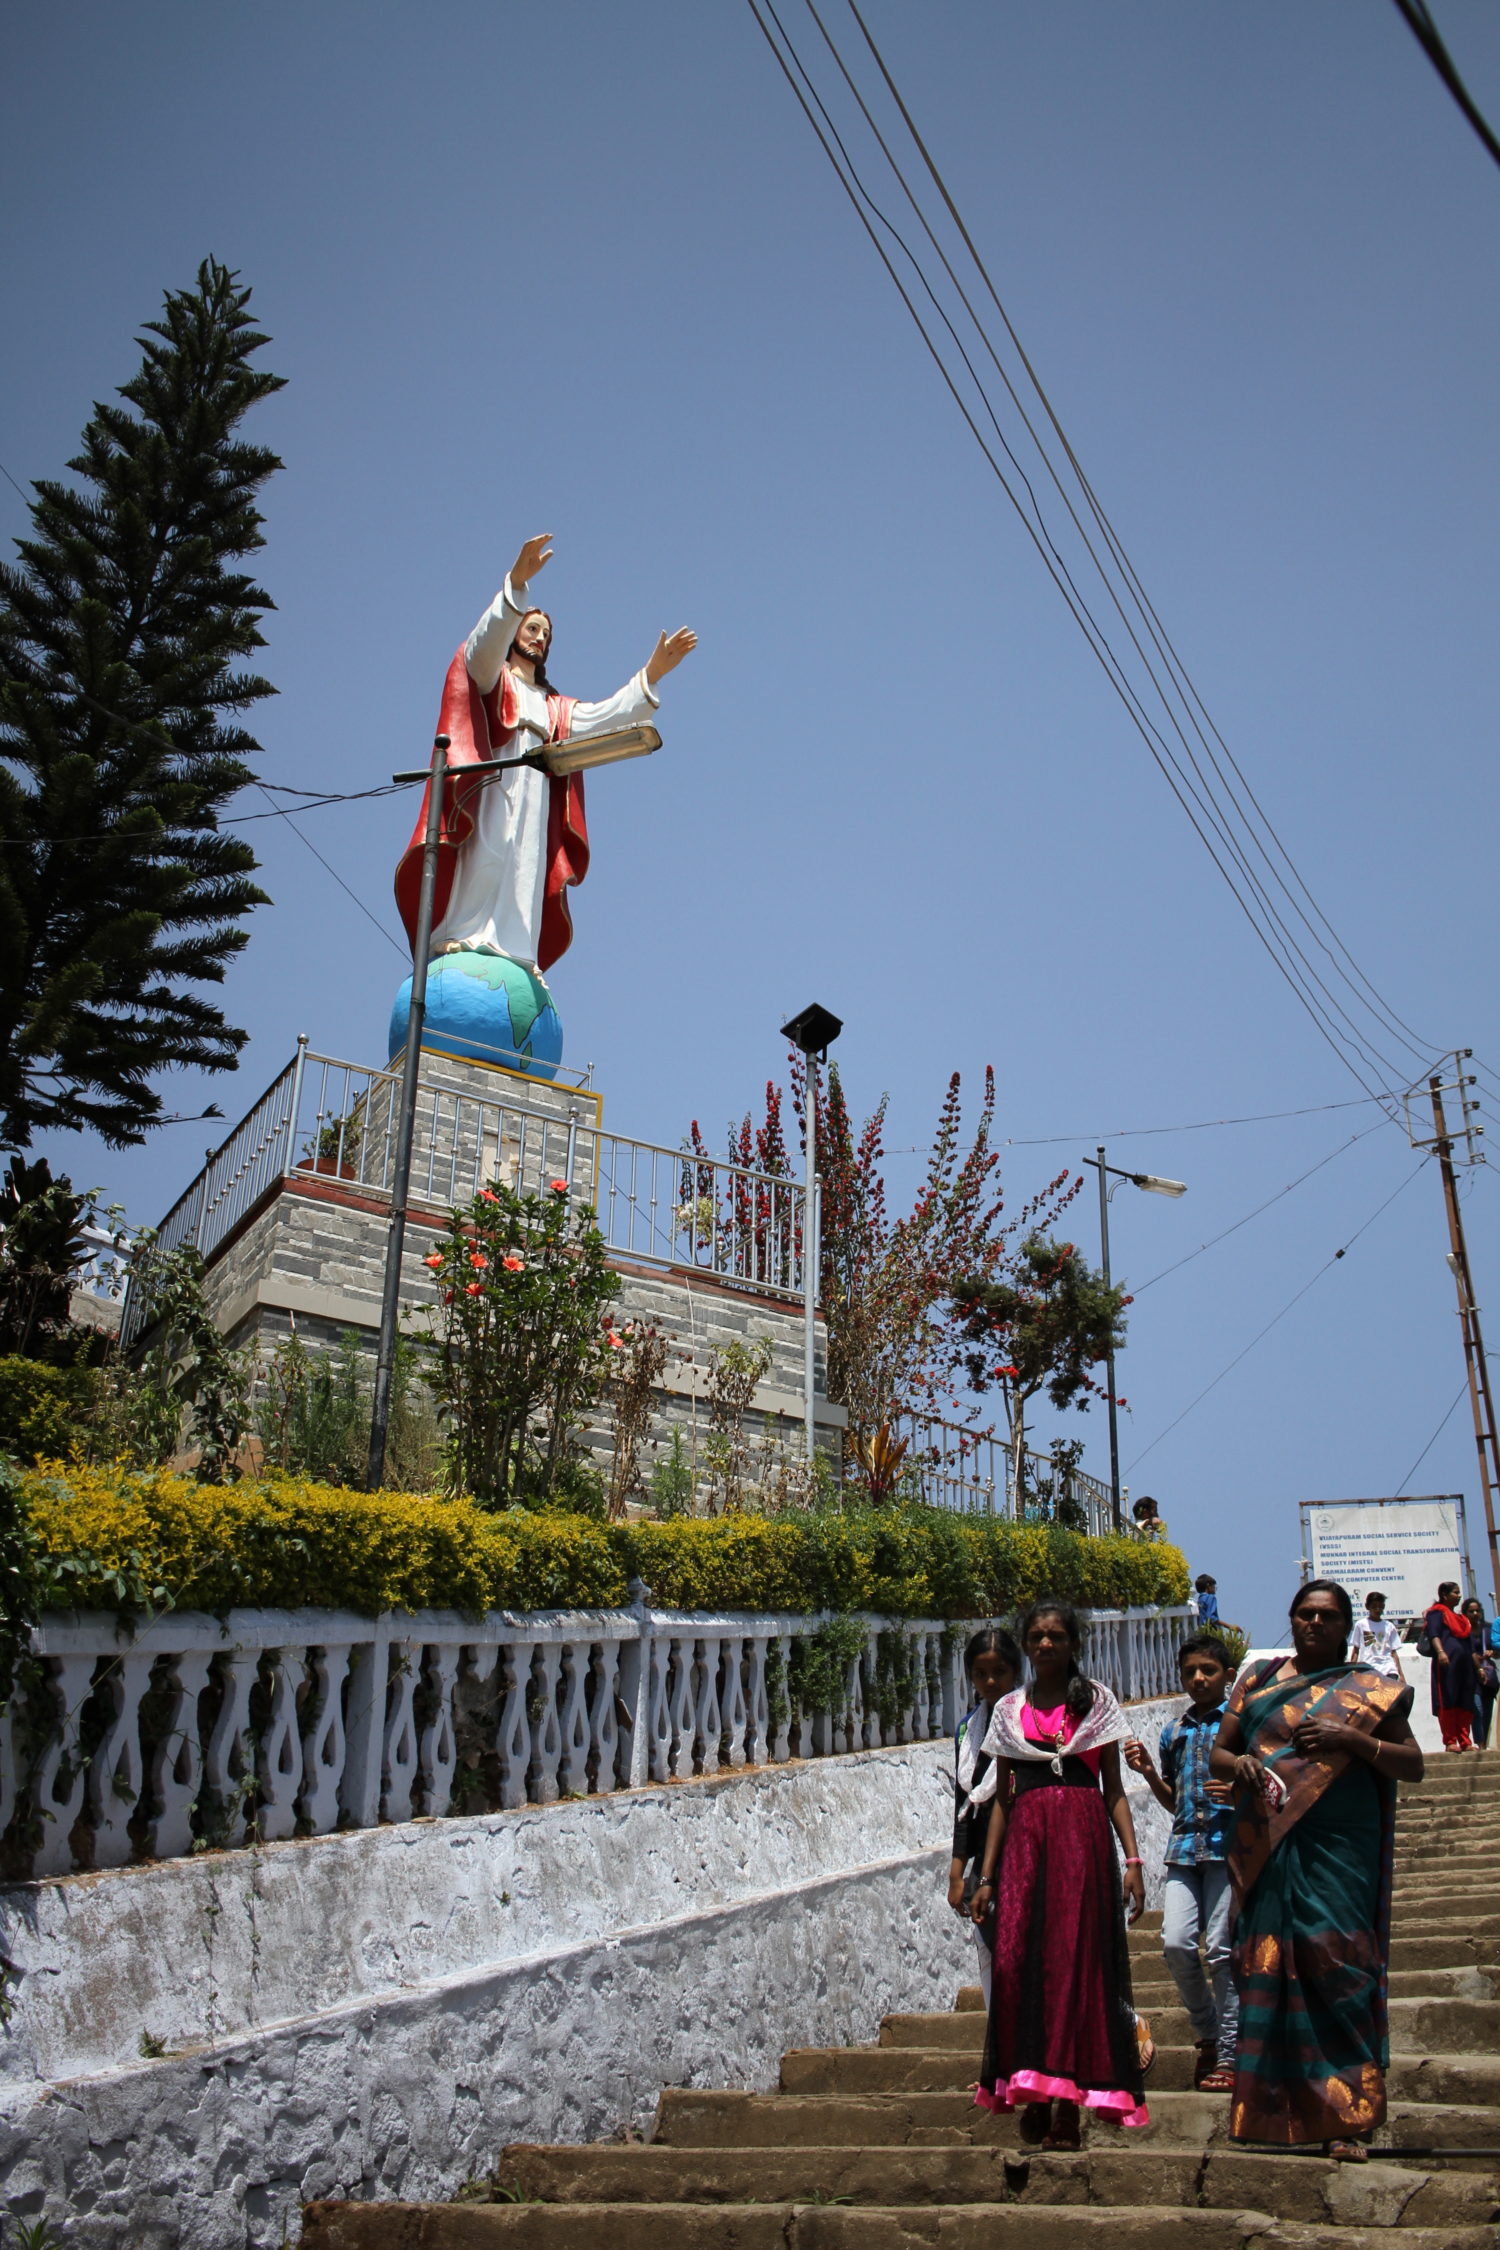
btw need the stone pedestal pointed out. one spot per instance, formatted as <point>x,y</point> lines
<point>310,1253</point>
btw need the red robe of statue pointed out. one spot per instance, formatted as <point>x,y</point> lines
<point>484,726</point>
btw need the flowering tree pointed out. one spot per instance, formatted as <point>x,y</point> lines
<point>887,1285</point>
<point>1044,1325</point>
<point>524,1337</point>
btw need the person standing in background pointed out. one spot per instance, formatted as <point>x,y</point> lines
<point>1148,1524</point>
<point>1449,1635</point>
<point>1486,1677</point>
<point>1377,1641</point>
<point>1207,1604</point>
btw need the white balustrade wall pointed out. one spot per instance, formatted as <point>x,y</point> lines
<point>197,1734</point>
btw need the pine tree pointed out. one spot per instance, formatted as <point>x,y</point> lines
<point>120,700</point>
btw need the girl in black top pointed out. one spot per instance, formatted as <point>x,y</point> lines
<point>993,1666</point>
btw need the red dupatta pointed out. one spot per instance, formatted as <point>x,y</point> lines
<point>484,726</point>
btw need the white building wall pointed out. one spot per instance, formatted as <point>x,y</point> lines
<point>377,2013</point>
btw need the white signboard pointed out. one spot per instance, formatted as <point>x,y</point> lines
<point>1403,1549</point>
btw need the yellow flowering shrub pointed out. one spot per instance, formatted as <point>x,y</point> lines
<point>288,1543</point>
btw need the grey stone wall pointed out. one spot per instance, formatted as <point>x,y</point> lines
<point>312,1257</point>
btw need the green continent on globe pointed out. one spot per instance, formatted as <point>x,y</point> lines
<point>525,995</point>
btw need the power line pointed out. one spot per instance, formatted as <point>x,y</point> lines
<point>1419,17</point>
<point>1202,1125</point>
<point>1143,1132</point>
<point>1182,788</point>
<point>1213,820</point>
<point>1215,1240</point>
<point>1158,632</point>
<point>232,820</point>
<point>1432,1441</point>
<point>4,472</point>
<point>282,814</point>
<point>1276,1318</point>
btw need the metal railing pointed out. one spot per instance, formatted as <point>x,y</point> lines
<point>974,1472</point>
<point>322,1118</point>
<point>206,1732</point>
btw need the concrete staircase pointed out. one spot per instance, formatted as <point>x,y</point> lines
<point>882,2148</point>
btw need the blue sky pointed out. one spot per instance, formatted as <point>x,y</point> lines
<point>583,269</point>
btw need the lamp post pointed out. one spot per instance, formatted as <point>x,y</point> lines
<point>550,758</point>
<point>812,1033</point>
<point>1153,1186</point>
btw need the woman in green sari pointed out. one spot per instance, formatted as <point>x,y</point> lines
<point>1314,1746</point>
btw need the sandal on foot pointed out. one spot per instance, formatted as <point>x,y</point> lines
<point>1205,2057</point>
<point>1066,2136</point>
<point>1145,2045</point>
<point>1347,2152</point>
<point>1219,2080</point>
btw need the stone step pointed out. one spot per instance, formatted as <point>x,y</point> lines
<point>1310,2189</point>
<point>1434,1852</point>
<point>1461,1981</point>
<point>1420,2025</point>
<point>1415,2075</point>
<point>811,2226</point>
<point>688,2117</point>
<point>1428,1872</point>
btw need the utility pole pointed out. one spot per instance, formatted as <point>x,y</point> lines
<point>390,1300</point>
<point>1109,1362</point>
<point>1476,1366</point>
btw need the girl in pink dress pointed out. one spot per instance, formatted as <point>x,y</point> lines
<point>1062,2027</point>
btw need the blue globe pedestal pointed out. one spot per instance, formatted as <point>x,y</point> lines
<point>485,1008</point>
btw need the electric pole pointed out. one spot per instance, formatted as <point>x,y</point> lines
<point>1476,1366</point>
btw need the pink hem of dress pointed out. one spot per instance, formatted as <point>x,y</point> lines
<point>1038,2086</point>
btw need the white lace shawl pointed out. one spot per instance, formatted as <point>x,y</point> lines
<point>1104,1723</point>
<point>970,1741</point>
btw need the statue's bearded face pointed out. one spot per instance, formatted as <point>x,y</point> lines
<point>534,636</point>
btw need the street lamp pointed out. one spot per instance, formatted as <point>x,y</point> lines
<point>812,1033</point>
<point>1153,1185</point>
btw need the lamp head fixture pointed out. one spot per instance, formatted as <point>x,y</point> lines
<point>1155,1186</point>
<point>813,1030</point>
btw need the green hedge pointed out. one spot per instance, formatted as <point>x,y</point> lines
<point>289,1543</point>
<point>41,1406</point>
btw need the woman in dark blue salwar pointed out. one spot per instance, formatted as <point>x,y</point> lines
<point>1314,1746</point>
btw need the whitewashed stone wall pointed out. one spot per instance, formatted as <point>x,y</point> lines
<point>377,2013</point>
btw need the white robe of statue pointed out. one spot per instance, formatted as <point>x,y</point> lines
<point>500,881</point>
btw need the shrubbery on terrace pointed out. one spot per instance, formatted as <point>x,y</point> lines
<point>286,1543</point>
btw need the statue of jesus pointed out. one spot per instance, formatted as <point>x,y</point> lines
<point>513,844</point>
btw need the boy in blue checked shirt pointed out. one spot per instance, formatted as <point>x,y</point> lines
<point>1197,1900</point>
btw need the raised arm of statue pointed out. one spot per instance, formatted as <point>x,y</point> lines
<point>668,653</point>
<point>488,645</point>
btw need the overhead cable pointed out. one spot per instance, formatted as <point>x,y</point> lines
<point>1432,1441</point>
<point>1191,754</point>
<point>1419,16</point>
<point>1139,1289</point>
<point>1276,1319</point>
<point>282,814</point>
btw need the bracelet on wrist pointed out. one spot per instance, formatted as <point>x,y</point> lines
<point>1135,1863</point>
